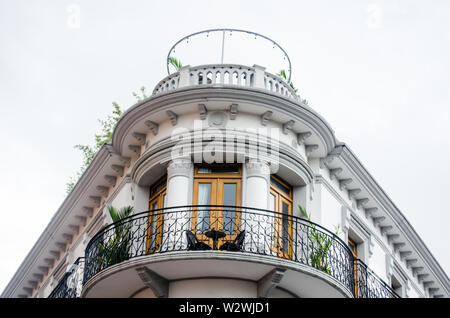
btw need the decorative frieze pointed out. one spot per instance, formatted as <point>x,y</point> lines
<point>398,246</point>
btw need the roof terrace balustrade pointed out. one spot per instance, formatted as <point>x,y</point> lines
<point>226,75</point>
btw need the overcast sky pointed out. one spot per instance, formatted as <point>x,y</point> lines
<point>377,71</point>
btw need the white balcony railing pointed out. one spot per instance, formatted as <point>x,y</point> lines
<point>226,75</point>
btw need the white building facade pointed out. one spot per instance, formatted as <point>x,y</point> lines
<point>229,148</point>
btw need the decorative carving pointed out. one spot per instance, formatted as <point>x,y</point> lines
<point>136,149</point>
<point>111,180</point>
<point>233,111</point>
<point>269,281</point>
<point>370,211</point>
<point>152,126</point>
<point>179,167</point>
<point>385,229</point>
<point>353,192</point>
<point>287,127</point>
<point>217,119</point>
<point>301,137</point>
<point>409,262</point>
<point>103,190</point>
<point>257,168</point>
<point>398,246</point>
<point>203,111</point>
<point>96,200</point>
<point>173,117</point>
<point>88,211</point>
<point>158,284</point>
<point>266,117</point>
<point>139,137</point>
<point>343,183</point>
<point>405,254</point>
<point>118,169</point>
<point>311,148</point>
<point>335,172</point>
<point>361,203</point>
<point>378,220</point>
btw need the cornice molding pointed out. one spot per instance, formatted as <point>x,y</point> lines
<point>356,167</point>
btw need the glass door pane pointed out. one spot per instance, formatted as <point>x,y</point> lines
<point>229,214</point>
<point>204,198</point>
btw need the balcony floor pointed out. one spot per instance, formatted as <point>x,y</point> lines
<point>122,280</point>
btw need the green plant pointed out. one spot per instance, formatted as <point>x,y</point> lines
<point>107,128</point>
<point>283,75</point>
<point>116,249</point>
<point>175,62</point>
<point>319,245</point>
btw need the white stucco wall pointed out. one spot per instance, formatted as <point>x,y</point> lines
<point>212,288</point>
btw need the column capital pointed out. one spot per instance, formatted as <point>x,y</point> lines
<point>179,167</point>
<point>257,168</point>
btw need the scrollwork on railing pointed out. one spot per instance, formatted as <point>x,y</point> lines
<point>70,284</point>
<point>266,233</point>
<point>370,285</point>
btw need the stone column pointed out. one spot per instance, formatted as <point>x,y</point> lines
<point>259,225</point>
<point>257,184</point>
<point>176,221</point>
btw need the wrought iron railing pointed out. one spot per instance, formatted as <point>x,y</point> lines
<point>370,285</point>
<point>71,283</point>
<point>266,233</point>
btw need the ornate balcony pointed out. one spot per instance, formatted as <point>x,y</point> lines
<point>267,233</point>
<point>71,284</point>
<point>231,75</point>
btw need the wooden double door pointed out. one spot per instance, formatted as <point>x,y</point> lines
<point>280,201</point>
<point>215,186</point>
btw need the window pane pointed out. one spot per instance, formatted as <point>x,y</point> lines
<point>229,198</point>
<point>204,198</point>
<point>280,186</point>
<point>285,226</point>
<point>218,169</point>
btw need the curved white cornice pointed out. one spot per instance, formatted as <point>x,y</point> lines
<point>196,94</point>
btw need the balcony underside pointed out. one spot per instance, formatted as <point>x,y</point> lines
<point>123,280</point>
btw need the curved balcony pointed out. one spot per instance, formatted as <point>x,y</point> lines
<point>284,238</point>
<point>226,75</point>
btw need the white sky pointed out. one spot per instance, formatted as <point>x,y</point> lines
<point>378,71</point>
